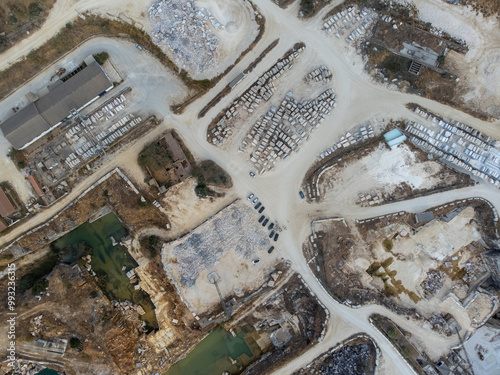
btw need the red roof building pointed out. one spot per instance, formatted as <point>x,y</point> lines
<point>36,185</point>
<point>3,225</point>
<point>6,206</point>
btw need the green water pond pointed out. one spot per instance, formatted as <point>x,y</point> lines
<point>218,352</point>
<point>107,260</point>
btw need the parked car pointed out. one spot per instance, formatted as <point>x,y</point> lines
<point>270,249</point>
<point>265,222</point>
<point>262,209</point>
<point>255,261</point>
<point>255,200</point>
<point>261,218</point>
<point>138,47</point>
<point>276,236</point>
<point>301,194</point>
<point>250,197</point>
<point>252,174</point>
<point>271,226</point>
<point>258,205</point>
<point>271,234</point>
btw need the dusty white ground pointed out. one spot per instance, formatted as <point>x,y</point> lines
<point>428,248</point>
<point>226,244</point>
<point>381,171</point>
<point>240,29</point>
<point>9,172</point>
<point>186,210</point>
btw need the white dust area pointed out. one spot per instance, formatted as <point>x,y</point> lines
<point>240,28</point>
<point>382,170</point>
<point>392,166</point>
<point>9,172</point>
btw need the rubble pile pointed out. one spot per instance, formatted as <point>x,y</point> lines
<point>282,130</point>
<point>185,29</point>
<point>432,283</point>
<point>128,306</point>
<point>263,88</point>
<point>320,74</point>
<point>22,367</point>
<point>232,229</point>
<point>348,360</point>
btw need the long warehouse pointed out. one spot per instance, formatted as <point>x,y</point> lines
<point>46,113</point>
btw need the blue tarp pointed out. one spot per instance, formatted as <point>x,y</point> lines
<point>394,133</point>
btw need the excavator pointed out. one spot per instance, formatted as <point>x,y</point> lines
<point>59,72</point>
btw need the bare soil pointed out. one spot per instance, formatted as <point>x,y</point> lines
<point>18,18</point>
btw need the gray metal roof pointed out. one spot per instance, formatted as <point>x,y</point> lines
<point>24,126</point>
<point>37,118</point>
<point>424,217</point>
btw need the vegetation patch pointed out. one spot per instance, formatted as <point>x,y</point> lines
<point>309,8</point>
<point>17,17</point>
<point>154,156</point>
<point>33,278</point>
<point>388,245</point>
<point>101,57</point>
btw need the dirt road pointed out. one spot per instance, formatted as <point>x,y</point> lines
<point>359,99</point>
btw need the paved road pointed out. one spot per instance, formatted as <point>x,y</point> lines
<point>359,99</point>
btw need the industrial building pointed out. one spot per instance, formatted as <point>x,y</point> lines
<point>44,114</point>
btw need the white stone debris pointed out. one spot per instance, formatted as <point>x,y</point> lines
<point>186,30</point>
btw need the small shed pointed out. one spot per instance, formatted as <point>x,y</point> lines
<point>394,138</point>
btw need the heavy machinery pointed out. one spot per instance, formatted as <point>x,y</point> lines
<point>59,72</point>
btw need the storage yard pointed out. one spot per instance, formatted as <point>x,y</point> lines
<point>203,38</point>
<point>281,131</point>
<point>84,140</point>
<point>225,245</point>
<point>287,124</point>
<point>350,23</point>
<point>221,127</point>
<point>463,147</point>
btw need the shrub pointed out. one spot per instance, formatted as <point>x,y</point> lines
<point>34,9</point>
<point>75,343</point>
<point>387,243</point>
<point>39,286</point>
<point>391,332</point>
<point>101,57</point>
<point>41,270</point>
<point>441,60</point>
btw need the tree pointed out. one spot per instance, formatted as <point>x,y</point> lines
<point>441,60</point>
<point>75,343</point>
